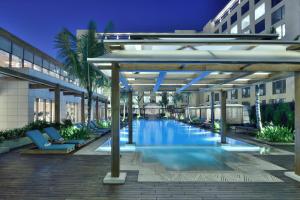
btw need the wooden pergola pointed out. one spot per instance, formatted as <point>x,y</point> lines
<point>194,62</point>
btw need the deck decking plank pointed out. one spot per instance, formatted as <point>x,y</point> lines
<point>80,177</point>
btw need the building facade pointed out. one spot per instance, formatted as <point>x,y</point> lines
<point>259,17</point>
<point>34,86</point>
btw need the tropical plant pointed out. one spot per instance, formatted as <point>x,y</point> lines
<point>164,100</point>
<point>104,123</point>
<point>73,133</point>
<point>258,113</point>
<point>74,53</point>
<point>139,99</point>
<point>272,133</point>
<point>124,98</point>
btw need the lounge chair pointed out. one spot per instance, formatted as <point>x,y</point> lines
<point>56,138</point>
<point>97,130</point>
<point>45,147</point>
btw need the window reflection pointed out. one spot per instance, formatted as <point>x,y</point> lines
<point>4,59</point>
<point>16,62</point>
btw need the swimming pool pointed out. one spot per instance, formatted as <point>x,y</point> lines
<point>178,146</point>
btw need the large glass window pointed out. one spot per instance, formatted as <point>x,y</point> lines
<point>37,63</point>
<point>233,18</point>
<point>224,27</point>
<point>245,8</point>
<point>260,26</point>
<point>16,62</point>
<point>246,22</point>
<point>27,64</point>
<point>278,15</point>
<point>246,92</point>
<point>279,87</point>
<point>234,30</point>
<point>275,2</point>
<point>260,11</point>
<point>4,59</point>
<point>37,67</point>
<point>261,88</point>
<point>234,94</point>
<point>280,30</point>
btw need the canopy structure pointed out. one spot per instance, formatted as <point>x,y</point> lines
<point>196,62</point>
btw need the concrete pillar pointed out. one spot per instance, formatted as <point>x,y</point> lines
<point>97,108</point>
<point>297,123</point>
<point>115,118</point>
<point>223,117</point>
<point>105,110</point>
<point>130,117</point>
<point>57,103</point>
<point>82,108</point>
<point>212,109</point>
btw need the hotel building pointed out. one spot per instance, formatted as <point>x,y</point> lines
<point>258,16</point>
<point>34,86</point>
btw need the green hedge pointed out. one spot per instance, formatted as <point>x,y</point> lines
<point>272,133</point>
<point>37,125</point>
<point>104,123</point>
<point>280,114</point>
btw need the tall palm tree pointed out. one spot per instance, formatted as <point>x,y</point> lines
<point>124,97</point>
<point>74,51</point>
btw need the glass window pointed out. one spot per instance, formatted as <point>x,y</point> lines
<point>260,11</point>
<point>233,18</point>
<point>27,64</point>
<point>224,27</point>
<point>275,2</point>
<point>207,98</point>
<point>234,94</point>
<point>246,22</point>
<point>280,30</point>
<point>17,51</point>
<point>279,87</point>
<point>217,97</point>
<point>246,92</point>
<point>28,56</point>
<point>4,59</point>
<point>278,15</point>
<point>37,67</point>
<point>260,26</point>
<point>261,88</point>
<point>5,44</point>
<point>256,1</point>
<point>245,8</point>
<point>234,30</point>
<point>16,62</point>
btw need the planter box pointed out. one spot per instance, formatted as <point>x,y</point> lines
<point>273,143</point>
<point>8,145</point>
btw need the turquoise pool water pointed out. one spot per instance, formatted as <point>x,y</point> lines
<point>178,146</point>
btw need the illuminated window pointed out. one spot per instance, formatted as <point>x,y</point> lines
<point>260,11</point>
<point>280,30</point>
<point>4,59</point>
<point>246,22</point>
<point>27,64</point>
<point>37,67</point>
<point>234,30</point>
<point>16,62</point>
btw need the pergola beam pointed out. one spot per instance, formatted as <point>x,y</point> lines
<point>194,81</point>
<point>159,81</point>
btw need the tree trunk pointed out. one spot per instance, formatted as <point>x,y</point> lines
<point>124,111</point>
<point>258,115</point>
<point>90,95</point>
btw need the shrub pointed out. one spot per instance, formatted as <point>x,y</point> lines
<point>104,123</point>
<point>72,133</point>
<point>272,133</point>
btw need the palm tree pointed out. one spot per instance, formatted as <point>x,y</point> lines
<point>257,108</point>
<point>177,97</point>
<point>74,52</point>
<point>124,98</point>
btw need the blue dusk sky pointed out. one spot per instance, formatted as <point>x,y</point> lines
<point>38,21</point>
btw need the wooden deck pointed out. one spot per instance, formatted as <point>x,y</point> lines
<point>80,177</point>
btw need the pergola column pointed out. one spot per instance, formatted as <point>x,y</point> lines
<point>297,123</point>
<point>105,110</point>
<point>223,117</point>
<point>57,103</point>
<point>97,108</point>
<point>130,117</point>
<point>212,109</point>
<point>115,177</point>
<point>82,107</point>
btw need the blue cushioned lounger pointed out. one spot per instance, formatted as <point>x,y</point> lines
<point>43,145</point>
<point>56,137</point>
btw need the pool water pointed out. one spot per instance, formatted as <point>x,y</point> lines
<point>178,146</point>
